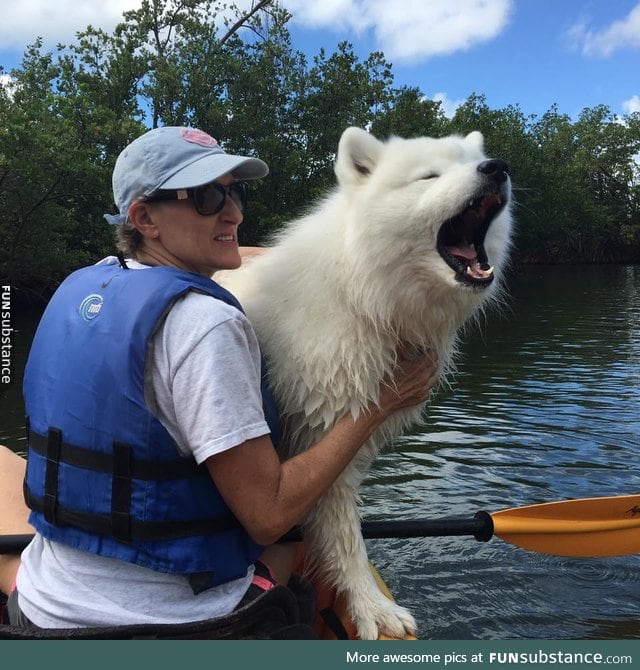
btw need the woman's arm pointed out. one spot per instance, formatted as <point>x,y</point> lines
<point>269,497</point>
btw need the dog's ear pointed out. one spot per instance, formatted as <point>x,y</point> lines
<point>358,154</point>
<point>475,139</point>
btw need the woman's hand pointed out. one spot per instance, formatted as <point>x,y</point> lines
<point>410,382</point>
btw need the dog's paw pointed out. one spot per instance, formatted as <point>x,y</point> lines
<point>376,615</point>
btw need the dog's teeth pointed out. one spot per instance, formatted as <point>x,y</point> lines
<point>479,272</point>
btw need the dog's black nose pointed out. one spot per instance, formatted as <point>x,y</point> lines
<point>495,169</point>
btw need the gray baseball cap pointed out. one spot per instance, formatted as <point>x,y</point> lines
<point>174,157</point>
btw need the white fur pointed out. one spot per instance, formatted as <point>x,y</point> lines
<point>333,299</point>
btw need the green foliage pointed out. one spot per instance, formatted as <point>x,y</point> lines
<point>65,116</point>
<point>576,184</point>
<point>55,164</point>
<point>408,113</point>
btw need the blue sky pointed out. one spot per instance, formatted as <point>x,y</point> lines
<point>574,53</point>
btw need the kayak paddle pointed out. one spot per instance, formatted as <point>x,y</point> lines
<point>587,527</point>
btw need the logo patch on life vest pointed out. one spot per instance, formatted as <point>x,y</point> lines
<point>90,307</point>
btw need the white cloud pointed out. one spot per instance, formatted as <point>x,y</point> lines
<point>448,106</point>
<point>8,84</point>
<point>408,31</point>
<point>56,20</point>
<point>413,29</point>
<point>631,105</point>
<point>621,34</point>
<point>346,14</point>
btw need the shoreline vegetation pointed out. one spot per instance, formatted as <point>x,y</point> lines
<point>66,114</point>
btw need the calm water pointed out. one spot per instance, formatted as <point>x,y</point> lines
<point>545,407</point>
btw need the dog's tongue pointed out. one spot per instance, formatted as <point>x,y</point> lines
<point>469,256</point>
<point>466,253</point>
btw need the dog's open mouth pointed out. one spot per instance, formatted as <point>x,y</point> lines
<point>461,240</point>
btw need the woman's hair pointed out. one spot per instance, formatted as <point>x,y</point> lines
<point>128,239</point>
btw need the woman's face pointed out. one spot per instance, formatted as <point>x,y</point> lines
<point>193,242</point>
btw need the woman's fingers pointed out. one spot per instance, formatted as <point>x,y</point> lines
<point>411,381</point>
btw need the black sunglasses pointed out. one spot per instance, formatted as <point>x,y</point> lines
<point>208,199</point>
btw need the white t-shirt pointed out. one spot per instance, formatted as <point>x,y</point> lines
<point>202,381</point>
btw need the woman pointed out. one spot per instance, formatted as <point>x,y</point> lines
<point>155,488</point>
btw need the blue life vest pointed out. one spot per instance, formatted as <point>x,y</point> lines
<point>103,474</point>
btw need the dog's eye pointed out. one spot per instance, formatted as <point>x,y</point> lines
<point>431,175</point>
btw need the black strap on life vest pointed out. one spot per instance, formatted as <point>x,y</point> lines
<point>121,493</point>
<point>50,501</point>
<point>122,260</point>
<point>123,468</point>
<point>79,457</point>
<point>332,620</point>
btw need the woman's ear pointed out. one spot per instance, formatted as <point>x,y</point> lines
<point>141,219</point>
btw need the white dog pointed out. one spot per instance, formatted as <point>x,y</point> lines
<point>408,247</point>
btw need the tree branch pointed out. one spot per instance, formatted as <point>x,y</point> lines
<point>243,19</point>
<point>25,215</point>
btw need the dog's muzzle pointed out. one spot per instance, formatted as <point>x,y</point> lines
<point>461,238</point>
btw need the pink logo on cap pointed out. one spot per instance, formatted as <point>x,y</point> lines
<point>198,137</point>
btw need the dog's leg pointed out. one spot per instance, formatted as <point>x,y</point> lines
<point>335,545</point>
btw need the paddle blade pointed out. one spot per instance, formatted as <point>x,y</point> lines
<point>588,527</point>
